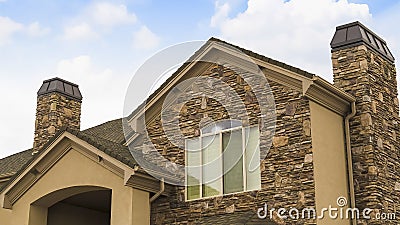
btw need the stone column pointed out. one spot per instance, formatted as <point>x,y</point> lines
<point>58,106</point>
<point>364,67</point>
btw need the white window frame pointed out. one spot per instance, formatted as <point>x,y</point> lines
<point>244,160</point>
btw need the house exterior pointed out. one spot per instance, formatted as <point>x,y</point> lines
<point>331,146</point>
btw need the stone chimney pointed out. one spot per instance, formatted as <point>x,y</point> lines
<point>58,106</point>
<point>364,67</point>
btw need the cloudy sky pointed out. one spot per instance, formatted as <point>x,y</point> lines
<point>100,44</point>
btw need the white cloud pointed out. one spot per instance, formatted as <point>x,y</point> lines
<point>98,19</point>
<point>145,39</point>
<point>81,69</point>
<point>108,14</point>
<point>82,31</point>
<point>7,28</point>
<point>75,67</point>
<point>102,89</point>
<point>297,32</point>
<point>221,14</point>
<point>35,30</point>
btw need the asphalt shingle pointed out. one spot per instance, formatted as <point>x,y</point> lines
<point>13,163</point>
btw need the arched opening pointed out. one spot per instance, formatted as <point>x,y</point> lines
<point>89,208</point>
<point>74,205</point>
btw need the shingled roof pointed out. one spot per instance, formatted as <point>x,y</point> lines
<point>111,131</point>
<point>13,163</point>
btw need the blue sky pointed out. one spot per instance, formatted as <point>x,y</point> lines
<point>100,44</point>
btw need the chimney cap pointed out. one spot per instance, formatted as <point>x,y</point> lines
<point>58,85</point>
<point>354,34</point>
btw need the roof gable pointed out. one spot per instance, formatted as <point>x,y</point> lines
<point>49,156</point>
<point>198,56</point>
<point>107,136</point>
<point>221,52</point>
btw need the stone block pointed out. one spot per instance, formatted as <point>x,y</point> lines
<point>366,120</point>
<point>364,65</point>
<point>51,130</point>
<point>397,186</point>
<point>53,106</point>
<point>308,158</point>
<point>380,97</point>
<point>279,141</point>
<point>372,170</point>
<point>291,109</point>
<point>278,180</point>
<point>366,98</point>
<point>396,101</point>
<point>307,127</point>
<point>379,143</point>
<point>230,209</point>
<point>373,106</point>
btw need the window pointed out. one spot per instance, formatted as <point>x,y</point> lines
<point>224,159</point>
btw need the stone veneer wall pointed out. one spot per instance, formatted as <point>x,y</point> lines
<point>374,129</point>
<point>286,173</point>
<point>54,111</point>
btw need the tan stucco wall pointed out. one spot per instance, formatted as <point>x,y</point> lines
<point>329,158</point>
<point>129,206</point>
<point>5,216</point>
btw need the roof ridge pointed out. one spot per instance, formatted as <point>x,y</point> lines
<point>102,124</point>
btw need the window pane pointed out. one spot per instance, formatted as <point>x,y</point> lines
<point>193,169</point>
<point>253,176</point>
<point>212,166</point>
<point>233,161</point>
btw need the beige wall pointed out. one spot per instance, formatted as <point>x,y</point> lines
<point>129,206</point>
<point>329,157</point>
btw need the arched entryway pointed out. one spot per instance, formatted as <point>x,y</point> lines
<point>75,205</point>
<point>89,208</point>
